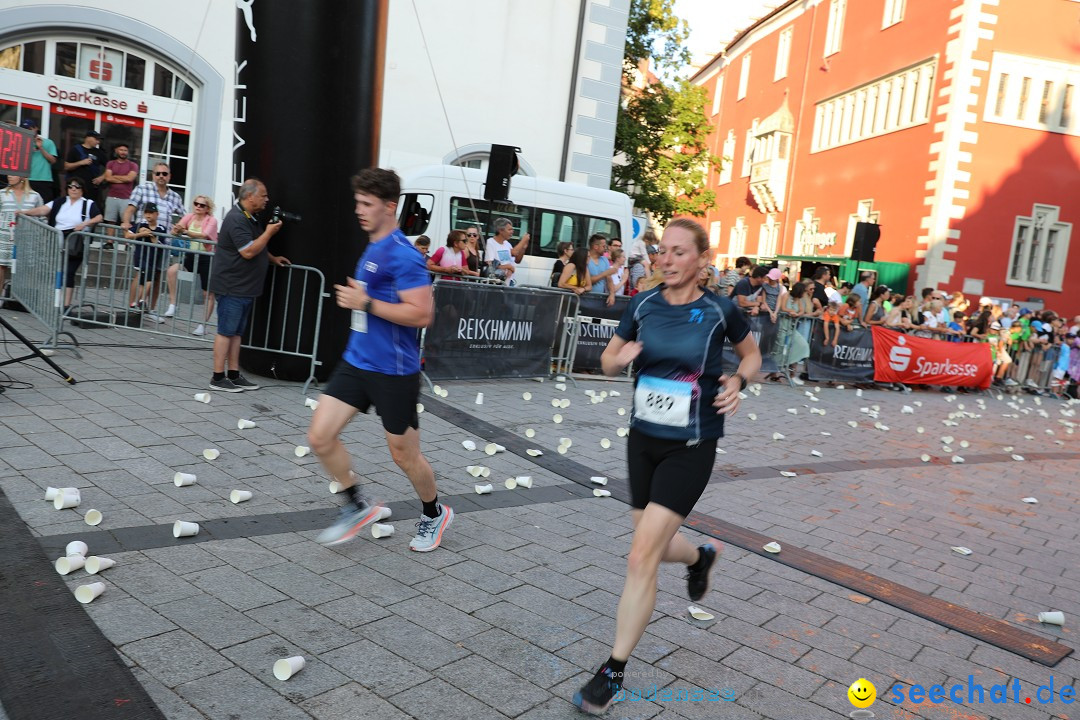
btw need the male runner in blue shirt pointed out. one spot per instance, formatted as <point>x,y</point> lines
<point>390,296</point>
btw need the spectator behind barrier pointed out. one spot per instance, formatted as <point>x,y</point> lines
<point>575,273</point>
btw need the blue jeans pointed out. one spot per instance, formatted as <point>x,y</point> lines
<point>232,314</point>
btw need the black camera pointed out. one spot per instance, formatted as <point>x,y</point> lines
<point>280,215</point>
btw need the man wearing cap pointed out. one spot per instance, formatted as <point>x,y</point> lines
<point>87,162</point>
<point>41,162</point>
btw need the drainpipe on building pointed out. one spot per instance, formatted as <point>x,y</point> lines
<point>573,91</point>
<point>798,126</point>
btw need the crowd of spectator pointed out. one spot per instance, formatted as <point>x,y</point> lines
<point>1014,332</point>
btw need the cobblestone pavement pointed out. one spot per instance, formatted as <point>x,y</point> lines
<point>511,614</point>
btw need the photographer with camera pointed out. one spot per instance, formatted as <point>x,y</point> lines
<point>239,273</point>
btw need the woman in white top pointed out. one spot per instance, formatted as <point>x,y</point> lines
<point>451,259</point>
<point>71,214</point>
<point>16,196</point>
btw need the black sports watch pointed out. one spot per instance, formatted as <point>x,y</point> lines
<point>742,382</point>
<point>367,309</point>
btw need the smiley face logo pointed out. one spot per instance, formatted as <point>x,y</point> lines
<point>862,693</point>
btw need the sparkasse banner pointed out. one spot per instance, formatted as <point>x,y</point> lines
<point>920,361</point>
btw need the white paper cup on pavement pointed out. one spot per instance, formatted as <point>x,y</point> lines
<point>182,479</point>
<point>311,403</point>
<point>181,529</point>
<point>483,489</point>
<point>95,564</point>
<point>211,454</point>
<point>598,479</point>
<point>601,492</point>
<point>1055,617</point>
<point>301,450</point>
<point>68,564</point>
<point>285,668</point>
<point>76,547</point>
<point>510,483</point>
<point>384,513</point>
<point>51,493</point>
<point>93,517</point>
<point>243,424</point>
<point>202,397</point>
<point>67,498</point>
<point>86,593</point>
<point>479,398</point>
<point>336,487</point>
<point>380,530</point>
<point>239,496</point>
<point>524,481</point>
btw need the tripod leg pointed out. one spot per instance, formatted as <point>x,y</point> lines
<point>35,352</point>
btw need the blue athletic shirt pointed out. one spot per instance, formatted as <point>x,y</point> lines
<point>388,267</point>
<point>680,363</point>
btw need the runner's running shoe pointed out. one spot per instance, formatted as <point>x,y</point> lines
<point>697,581</point>
<point>596,696</point>
<point>430,530</point>
<point>351,520</point>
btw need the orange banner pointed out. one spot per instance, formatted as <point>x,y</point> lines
<point>920,361</point>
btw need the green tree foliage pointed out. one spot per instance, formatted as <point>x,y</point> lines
<point>661,135</point>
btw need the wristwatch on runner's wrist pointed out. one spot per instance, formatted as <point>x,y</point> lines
<point>742,382</point>
<point>367,309</point>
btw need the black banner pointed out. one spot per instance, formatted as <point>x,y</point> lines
<point>851,360</point>
<point>764,331</point>
<point>593,337</point>
<point>490,331</point>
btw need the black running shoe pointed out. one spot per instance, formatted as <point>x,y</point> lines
<point>697,581</point>
<point>224,385</point>
<point>596,696</point>
<point>243,383</point>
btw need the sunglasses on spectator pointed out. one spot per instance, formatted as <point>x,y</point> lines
<point>199,204</point>
<point>161,174</point>
<point>472,234</point>
<point>73,186</point>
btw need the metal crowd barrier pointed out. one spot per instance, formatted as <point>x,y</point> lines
<point>104,295</point>
<point>446,276</point>
<point>38,275</point>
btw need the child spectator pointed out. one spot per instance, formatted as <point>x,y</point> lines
<point>956,326</point>
<point>831,317</point>
<point>849,311</point>
<point>148,261</point>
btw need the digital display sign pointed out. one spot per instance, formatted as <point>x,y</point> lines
<point>16,145</point>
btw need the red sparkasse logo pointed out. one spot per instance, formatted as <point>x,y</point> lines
<point>921,361</point>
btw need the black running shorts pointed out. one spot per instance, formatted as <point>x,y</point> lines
<point>394,396</point>
<point>668,472</point>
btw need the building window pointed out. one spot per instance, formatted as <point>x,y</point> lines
<point>894,13</point>
<point>737,242</point>
<point>749,150</point>
<point>717,94</point>
<point>783,54</point>
<point>171,146</point>
<point>714,234</point>
<point>1040,246</point>
<point>896,102</point>
<point>768,236</point>
<point>1041,100</point>
<point>836,27</point>
<point>744,76</point>
<point>728,157</point>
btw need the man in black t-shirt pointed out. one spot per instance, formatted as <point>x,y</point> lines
<point>87,162</point>
<point>747,292</point>
<point>821,276</point>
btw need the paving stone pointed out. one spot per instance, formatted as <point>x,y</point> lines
<point>549,606</point>
<point>774,672</point>
<point>150,583</point>
<point>375,586</point>
<point>258,656</point>
<point>476,676</point>
<point>452,704</point>
<point>211,620</point>
<point>170,704</point>
<point>303,626</point>
<point>439,618</point>
<point>458,594</point>
<point>246,698</point>
<point>520,657</point>
<point>375,668</point>
<point>300,583</point>
<point>413,642</point>
<point>400,568</point>
<point>237,589</point>
<point>243,554</point>
<point>539,631</point>
<point>482,577</point>
<point>773,702</point>
<point>127,620</point>
<point>351,702</point>
<point>175,657</point>
<point>352,611</point>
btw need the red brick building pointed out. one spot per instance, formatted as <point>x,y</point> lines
<point>953,124</point>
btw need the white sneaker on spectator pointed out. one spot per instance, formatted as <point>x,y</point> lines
<point>156,318</point>
<point>171,311</point>
<point>199,330</point>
